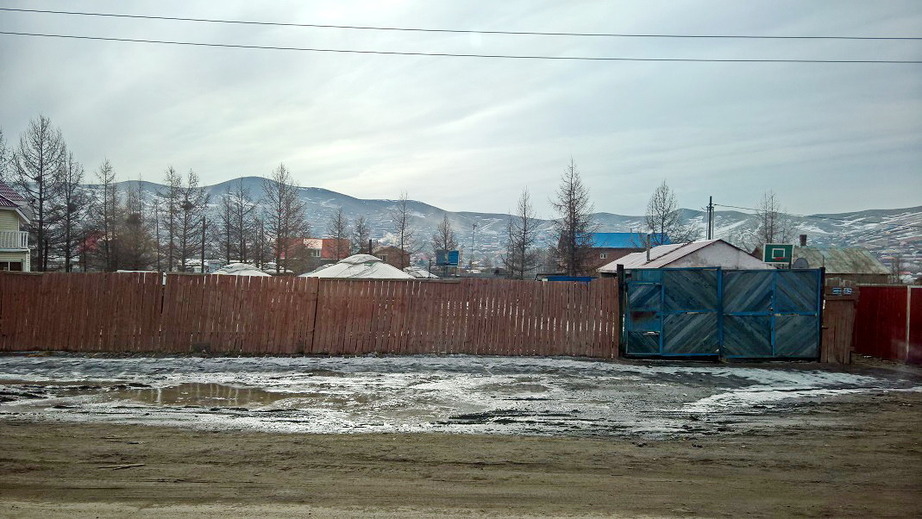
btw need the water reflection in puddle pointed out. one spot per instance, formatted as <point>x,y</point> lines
<point>203,395</point>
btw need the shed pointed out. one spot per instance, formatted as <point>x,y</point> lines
<point>359,266</point>
<point>705,253</point>
<point>844,266</point>
<point>394,256</point>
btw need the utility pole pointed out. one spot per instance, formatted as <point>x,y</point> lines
<point>710,217</point>
<point>204,229</point>
<point>471,260</point>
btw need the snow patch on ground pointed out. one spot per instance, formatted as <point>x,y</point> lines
<point>458,394</point>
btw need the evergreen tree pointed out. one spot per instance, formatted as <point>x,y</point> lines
<point>574,227</point>
<point>521,235</point>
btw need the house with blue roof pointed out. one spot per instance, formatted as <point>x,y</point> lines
<point>609,246</point>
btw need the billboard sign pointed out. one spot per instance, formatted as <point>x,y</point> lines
<point>777,253</point>
<point>447,258</point>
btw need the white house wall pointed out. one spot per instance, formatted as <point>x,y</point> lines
<point>719,254</point>
<point>9,220</point>
<point>17,256</point>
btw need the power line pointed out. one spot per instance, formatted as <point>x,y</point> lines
<point>737,207</point>
<point>821,217</point>
<point>458,31</point>
<point>459,55</point>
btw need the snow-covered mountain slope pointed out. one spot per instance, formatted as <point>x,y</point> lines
<point>886,232</point>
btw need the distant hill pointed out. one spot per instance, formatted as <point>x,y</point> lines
<point>883,231</point>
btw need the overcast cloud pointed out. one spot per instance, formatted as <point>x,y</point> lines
<point>469,134</point>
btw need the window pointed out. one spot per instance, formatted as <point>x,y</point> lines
<point>15,266</point>
<point>603,255</point>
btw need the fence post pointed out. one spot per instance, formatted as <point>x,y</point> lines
<point>619,332</point>
<point>908,322</point>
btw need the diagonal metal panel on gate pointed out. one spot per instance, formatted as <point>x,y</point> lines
<point>748,299</point>
<point>691,308</point>
<point>644,323</point>
<point>798,313</point>
<point>730,313</point>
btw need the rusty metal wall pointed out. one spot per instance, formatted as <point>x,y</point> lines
<point>888,323</point>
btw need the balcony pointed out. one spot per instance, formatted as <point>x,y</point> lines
<point>14,240</point>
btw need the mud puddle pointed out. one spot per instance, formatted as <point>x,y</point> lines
<point>457,394</point>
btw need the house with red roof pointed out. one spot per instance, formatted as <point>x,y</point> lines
<point>14,239</point>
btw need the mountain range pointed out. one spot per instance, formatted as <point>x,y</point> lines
<point>886,232</point>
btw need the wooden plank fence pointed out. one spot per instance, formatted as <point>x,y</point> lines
<point>149,312</point>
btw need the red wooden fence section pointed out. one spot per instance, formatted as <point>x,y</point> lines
<point>888,323</point>
<point>145,312</point>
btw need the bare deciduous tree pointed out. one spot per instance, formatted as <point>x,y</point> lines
<point>444,237</point>
<point>574,227</point>
<point>4,159</point>
<point>237,218</point>
<point>262,248</point>
<point>135,244</point>
<point>521,256</point>
<point>37,164</point>
<point>663,220</point>
<point>361,235</point>
<point>169,214</point>
<point>244,221</point>
<point>339,231</point>
<point>226,222</point>
<point>71,208</point>
<point>896,268</point>
<point>285,215</point>
<point>400,221</point>
<point>774,226</point>
<point>106,215</point>
<point>192,205</point>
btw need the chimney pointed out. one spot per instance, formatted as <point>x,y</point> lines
<point>803,240</point>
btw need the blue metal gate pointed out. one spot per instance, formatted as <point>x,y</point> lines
<point>728,313</point>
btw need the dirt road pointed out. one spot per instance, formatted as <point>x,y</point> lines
<point>851,456</point>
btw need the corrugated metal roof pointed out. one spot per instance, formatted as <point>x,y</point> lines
<point>626,240</point>
<point>726,255</point>
<point>852,260</point>
<point>659,256</point>
<point>11,195</point>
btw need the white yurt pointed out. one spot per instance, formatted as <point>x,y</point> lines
<point>240,269</point>
<point>359,266</point>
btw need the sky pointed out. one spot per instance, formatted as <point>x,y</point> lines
<point>469,134</point>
